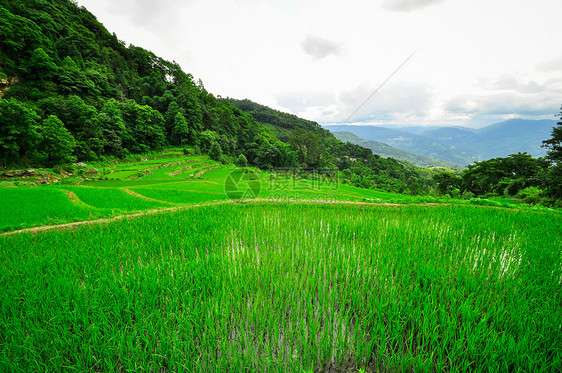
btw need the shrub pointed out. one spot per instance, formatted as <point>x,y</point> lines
<point>467,195</point>
<point>242,161</point>
<point>216,151</point>
<point>530,195</point>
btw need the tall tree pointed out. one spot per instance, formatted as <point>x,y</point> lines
<point>180,130</point>
<point>215,152</point>
<point>57,144</point>
<point>18,132</point>
<point>554,144</point>
<point>41,65</point>
<point>553,178</point>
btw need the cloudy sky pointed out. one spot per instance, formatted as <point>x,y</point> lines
<point>470,63</point>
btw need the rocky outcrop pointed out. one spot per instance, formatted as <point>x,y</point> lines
<point>19,173</point>
<point>45,179</point>
<point>91,172</point>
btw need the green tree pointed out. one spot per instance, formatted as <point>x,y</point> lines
<point>266,154</point>
<point>495,175</point>
<point>170,116</point>
<point>41,65</point>
<point>57,144</point>
<point>74,80</point>
<point>18,132</point>
<point>241,161</point>
<point>81,119</point>
<point>207,138</point>
<point>215,152</point>
<point>554,144</point>
<point>180,130</point>
<point>447,182</point>
<point>189,102</point>
<point>113,128</point>
<point>18,37</point>
<point>553,177</point>
<point>145,127</point>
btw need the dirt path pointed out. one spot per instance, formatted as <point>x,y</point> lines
<point>70,195</point>
<point>135,194</point>
<point>169,209</point>
<point>107,220</point>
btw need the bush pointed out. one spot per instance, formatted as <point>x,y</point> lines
<point>467,195</point>
<point>455,193</point>
<point>530,195</point>
<point>514,186</point>
<point>242,161</point>
<point>215,152</point>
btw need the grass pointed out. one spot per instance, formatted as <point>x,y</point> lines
<point>180,196</point>
<point>172,179</point>
<point>117,200</point>
<point>288,287</point>
<point>28,207</point>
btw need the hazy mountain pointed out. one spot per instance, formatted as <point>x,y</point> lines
<point>387,151</point>
<point>452,135</point>
<point>412,143</point>
<point>460,144</point>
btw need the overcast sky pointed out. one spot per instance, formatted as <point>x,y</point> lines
<point>475,62</point>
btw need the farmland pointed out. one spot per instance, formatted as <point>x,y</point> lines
<point>298,279</point>
<point>288,287</point>
<point>171,180</point>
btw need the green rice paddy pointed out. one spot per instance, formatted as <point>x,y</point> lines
<point>276,284</point>
<point>288,287</point>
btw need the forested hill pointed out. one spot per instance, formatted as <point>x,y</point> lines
<point>280,123</point>
<point>72,90</point>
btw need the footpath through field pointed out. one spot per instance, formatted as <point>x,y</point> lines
<point>169,209</point>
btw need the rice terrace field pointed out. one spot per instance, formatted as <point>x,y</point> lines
<point>308,275</point>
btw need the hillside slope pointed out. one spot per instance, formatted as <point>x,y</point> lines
<point>71,91</point>
<point>65,76</point>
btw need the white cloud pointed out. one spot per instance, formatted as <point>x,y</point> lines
<point>301,100</point>
<point>408,99</point>
<point>319,48</point>
<point>507,104</point>
<point>514,82</point>
<point>408,5</point>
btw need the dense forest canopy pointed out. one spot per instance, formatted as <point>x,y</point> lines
<point>62,72</point>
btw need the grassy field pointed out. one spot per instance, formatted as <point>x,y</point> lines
<point>172,179</point>
<point>395,283</point>
<point>119,192</point>
<point>288,287</point>
<point>162,182</point>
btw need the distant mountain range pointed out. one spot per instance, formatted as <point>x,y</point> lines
<point>388,151</point>
<point>459,145</point>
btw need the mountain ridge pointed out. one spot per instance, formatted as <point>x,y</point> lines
<point>461,144</point>
<point>388,151</point>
